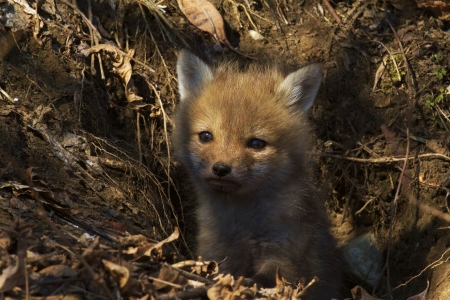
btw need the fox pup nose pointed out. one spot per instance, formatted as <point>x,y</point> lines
<point>221,169</point>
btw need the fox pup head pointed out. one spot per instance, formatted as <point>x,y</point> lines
<point>240,132</point>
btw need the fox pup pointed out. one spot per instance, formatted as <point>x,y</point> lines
<point>243,137</point>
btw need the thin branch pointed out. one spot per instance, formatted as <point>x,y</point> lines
<point>332,11</point>
<point>383,160</point>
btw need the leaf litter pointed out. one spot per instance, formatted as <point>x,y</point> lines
<point>39,263</point>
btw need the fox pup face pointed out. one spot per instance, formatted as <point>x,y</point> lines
<point>237,132</point>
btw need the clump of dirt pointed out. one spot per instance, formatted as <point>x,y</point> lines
<point>87,91</point>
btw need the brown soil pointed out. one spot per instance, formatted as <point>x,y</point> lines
<point>75,145</point>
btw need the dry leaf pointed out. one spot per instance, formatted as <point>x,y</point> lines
<point>203,15</point>
<point>122,67</point>
<point>59,271</point>
<point>119,273</point>
<point>172,237</point>
<point>222,289</point>
<point>421,296</point>
<point>13,275</point>
<point>358,293</point>
<point>169,275</point>
<point>132,240</point>
<point>5,240</point>
<point>280,282</point>
<point>229,289</point>
<point>440,8</point>
<point>382,101</point>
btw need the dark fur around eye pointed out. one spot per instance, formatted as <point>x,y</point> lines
<point>256,144</point>
<point>205,136</point>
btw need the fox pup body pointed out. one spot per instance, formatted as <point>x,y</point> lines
<point>243,137</point>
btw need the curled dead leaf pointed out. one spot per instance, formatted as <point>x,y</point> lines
<point>122,65</point>
<point>358,293</point>
<point>199,267</point>
<point>168,276</point>
<point>175,234</point>
<point>155,111</point>
<point>228,289</point>
<point>13,275</point>
<point>441,8</point>
<point>59,271</point>
<point>421,296</point>
<point>203,15</point>
<point>120,274</point>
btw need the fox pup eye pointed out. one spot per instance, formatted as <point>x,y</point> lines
<point>205,136</point>
<point>256,144</point>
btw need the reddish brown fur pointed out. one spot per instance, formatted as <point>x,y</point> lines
<point>265,213</point>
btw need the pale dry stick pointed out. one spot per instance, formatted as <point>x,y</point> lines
<point>115,50</point>
<point>192,276</point>
<point>281,13</point>
<point>355,7</point>
<point>192,263</point>
<point>443,122</point>
<point>332,11</point>
<point>262,18</point>
<point>27,279</point>
<point>246,12</point>
<point>83,77</point>
<point>430,266</point>
<point>165,117</point>
<point>85,19</point>
<point>391,56</point>
<point>138,133</point>
<point>410,83</point>
<point>94,34</point>
<point>195,293</point>
<point>6,95</point>
<point>347,203</point>
<point>365,205</point>
<point>159,53</point>
<point>393,208</point>
<point>98,35</point>
<point>169,179</point>
<point>303,291</point>
<point>178,286</point>
<point>426,208</point>
<point>91,36</point>
<point>155,11</point>
<point>97,42</point>
<point>383,160</point>
<point>441,112</point>
<point>446,116</point>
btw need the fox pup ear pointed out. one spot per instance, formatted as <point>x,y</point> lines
<point>193,73</point>
<point>300,87</point>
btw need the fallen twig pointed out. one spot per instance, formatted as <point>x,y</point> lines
<point>332,11</point>
<point>383,160</point>
<point>194,293</point>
